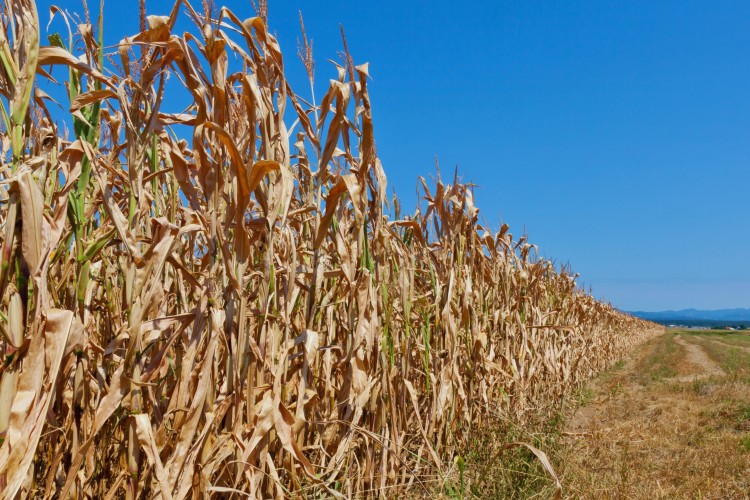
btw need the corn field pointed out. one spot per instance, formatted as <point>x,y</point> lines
<point>222,301</point>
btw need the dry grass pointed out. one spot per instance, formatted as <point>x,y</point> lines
<point>219,300</point>
<point>658,436</point>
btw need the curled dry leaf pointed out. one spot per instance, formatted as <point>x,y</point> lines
<point>207,299</point>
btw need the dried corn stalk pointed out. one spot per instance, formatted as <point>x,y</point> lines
<point>215,301</point>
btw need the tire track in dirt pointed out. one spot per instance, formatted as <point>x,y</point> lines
<point>696,356</point>
<point>731,346</point>
<point>641,436</point>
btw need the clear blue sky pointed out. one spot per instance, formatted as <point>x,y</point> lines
<point>616,133</point>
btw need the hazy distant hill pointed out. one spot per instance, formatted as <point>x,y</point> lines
<point>728,315</point>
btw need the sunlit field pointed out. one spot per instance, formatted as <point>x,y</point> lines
<point>221,299</point>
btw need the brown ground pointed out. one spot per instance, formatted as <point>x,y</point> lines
<point>671,422</point>
<point>703,365</point>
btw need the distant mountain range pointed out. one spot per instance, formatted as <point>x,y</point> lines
<point>693,315</point>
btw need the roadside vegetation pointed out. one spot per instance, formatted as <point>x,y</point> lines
<point>220,299</point>
<point>665,424</point>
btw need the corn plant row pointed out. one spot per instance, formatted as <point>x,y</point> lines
<point>220,300</point>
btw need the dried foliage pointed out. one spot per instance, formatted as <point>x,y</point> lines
<point>214,301</point>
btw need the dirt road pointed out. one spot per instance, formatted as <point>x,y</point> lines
<point>671,422</point>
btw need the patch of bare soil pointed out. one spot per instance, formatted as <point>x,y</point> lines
<point>696,356</point>
<point>684,436</point>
